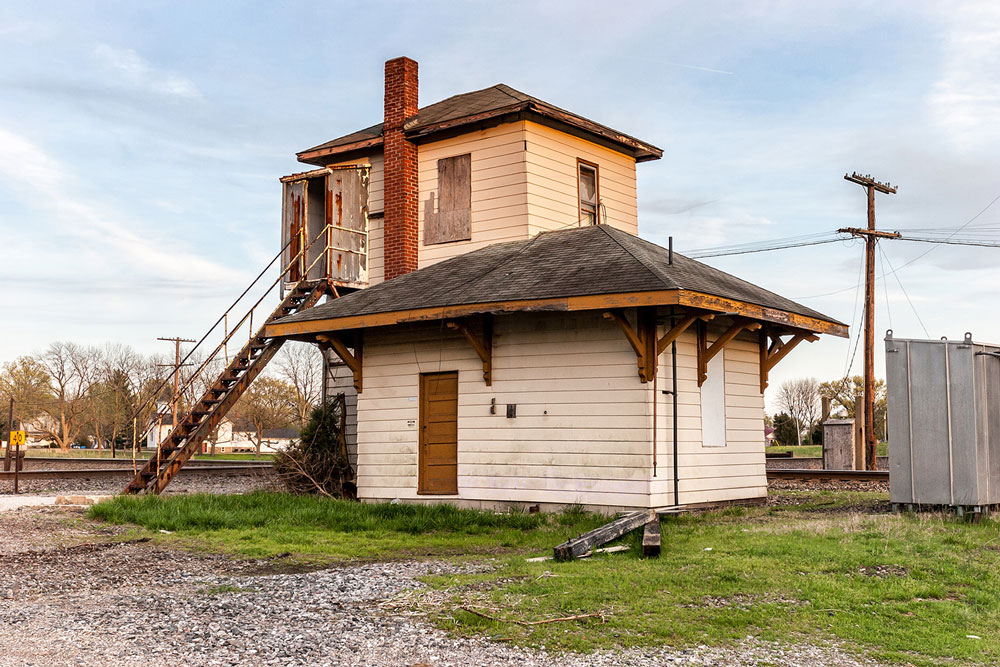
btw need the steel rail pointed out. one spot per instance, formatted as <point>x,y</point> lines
<point>839,475</point>
<point>70,473</point>
<point>79,460</point>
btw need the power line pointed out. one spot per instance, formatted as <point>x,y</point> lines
<point>780,244</point>
<point>885,288</point>
<point>900,283</point>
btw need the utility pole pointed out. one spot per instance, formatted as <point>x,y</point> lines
<point>10,427</point>
<point>871,236</point>
<point>177,369</point>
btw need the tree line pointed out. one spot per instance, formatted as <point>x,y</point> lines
<point>800,404</point>
<point>109,395</point>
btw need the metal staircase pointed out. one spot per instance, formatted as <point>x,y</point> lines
<point>186,438</point>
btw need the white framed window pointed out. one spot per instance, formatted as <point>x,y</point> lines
<point>588,182</point>
<point>713,403</point>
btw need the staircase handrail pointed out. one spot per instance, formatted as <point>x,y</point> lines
<point>180,391</point>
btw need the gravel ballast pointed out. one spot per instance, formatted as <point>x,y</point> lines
<point>133,603</point>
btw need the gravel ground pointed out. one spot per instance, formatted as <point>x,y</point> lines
<point>97,603</point>
<point>812,463</point>
<point>194,483</point>
<point>879,486</point>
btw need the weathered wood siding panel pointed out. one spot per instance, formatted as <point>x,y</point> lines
<point>376,206</point>
<point>553,197</point>
<point>340,380</point>
<point>712,474</point>
<point>499,190</point>
<point>582,425</point>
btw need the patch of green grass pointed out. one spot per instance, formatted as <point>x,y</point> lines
<point>905,588</point>
<point>797,452</point>
<point>811,566</point>
<point>317,529</point>
<point>807,451</point>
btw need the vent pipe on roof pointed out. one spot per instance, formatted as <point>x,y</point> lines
<point>670,250</point>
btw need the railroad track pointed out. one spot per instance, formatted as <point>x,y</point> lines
<point>86,473</point>
<point>834,475</point>
<point>126,460</point>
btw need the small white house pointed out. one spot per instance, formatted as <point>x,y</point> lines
<point>514,341</point>
<point>231,437</point>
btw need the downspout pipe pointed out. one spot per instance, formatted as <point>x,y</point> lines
<point>673,392</point>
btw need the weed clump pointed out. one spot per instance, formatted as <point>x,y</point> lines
<point>318,462</point>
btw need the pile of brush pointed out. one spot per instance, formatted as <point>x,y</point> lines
<point>318,462</point>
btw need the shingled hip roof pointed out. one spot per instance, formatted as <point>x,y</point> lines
<point>541,273</point>
<point>468,108</point>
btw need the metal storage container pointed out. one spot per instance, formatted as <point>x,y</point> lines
<point>943,422</point>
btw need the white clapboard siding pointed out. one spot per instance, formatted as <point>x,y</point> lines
<point>581,433</point>
<point>551,168</point>
<point>712,474</point>
<point>499,204</point>
<point>340,380</point>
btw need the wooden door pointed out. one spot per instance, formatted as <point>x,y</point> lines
<point>438,453</point>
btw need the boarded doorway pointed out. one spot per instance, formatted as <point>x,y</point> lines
<point>438,456</point>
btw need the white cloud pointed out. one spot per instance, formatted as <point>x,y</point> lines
<point>139,72</point>
<point>965,101</point>
<point>71,225</point>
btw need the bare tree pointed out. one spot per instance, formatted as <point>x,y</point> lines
<point>301,366</point>
<point>112,397</point>
<point>72,371</point>
<point>268,403</point>
<point>800,399</point>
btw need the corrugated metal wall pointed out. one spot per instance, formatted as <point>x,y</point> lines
<point>943,422</point>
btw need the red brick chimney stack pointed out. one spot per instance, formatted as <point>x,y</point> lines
<point>401,189</point>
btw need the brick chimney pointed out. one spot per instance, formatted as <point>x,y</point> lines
<point>402,196</point>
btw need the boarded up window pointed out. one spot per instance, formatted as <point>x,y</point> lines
<point>453,219</point>
<point>713,403</point>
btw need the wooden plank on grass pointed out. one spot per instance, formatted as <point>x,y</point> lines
<point>651,540</point>
<point>587,542</point>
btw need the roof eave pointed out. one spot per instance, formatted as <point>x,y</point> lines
<point>699,300</point>
<point>639,150</point>
<point>316,155</point>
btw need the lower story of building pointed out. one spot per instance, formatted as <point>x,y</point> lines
<point>564,421</point>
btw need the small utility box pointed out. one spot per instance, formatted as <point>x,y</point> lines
<point>838,444</point>
<point>943,422</point>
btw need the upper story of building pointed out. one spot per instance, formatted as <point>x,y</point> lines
<point>431,183</point>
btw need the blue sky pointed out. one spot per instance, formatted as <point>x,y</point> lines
<point>141,143</point>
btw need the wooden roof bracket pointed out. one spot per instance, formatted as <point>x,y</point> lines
<point>353,360</point>
<point>706,352</point>
<point>685,322</point>
<point>773,349</point>
<point>642,337</point>
<point>482,344</point>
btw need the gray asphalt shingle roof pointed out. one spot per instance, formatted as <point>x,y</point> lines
<point>493,99</point>
<point>581,261</point>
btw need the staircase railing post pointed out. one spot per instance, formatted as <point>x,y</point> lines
<point>329,252</point>
<point>302,252</point>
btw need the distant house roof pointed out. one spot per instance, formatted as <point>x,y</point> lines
<point>245,425</point>
<point>582,268</point>
<point>499,103</point>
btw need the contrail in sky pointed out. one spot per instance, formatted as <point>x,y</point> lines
<point>704,69</point>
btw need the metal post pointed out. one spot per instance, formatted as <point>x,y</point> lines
<point>176,340</point>
<point>17,459</point>
<point>135,426</point>
<point>10,427</point>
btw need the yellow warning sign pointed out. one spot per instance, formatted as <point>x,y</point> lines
<point>17,438</point>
